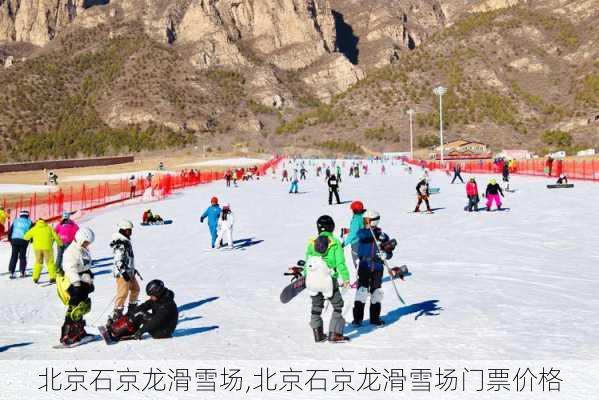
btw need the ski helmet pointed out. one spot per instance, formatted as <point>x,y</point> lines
<point>325,224</point>
<point>24,213</point>
<point>214,200</point>
<point>85,234</point>
<point>373,216</point>
<point>125,224</point>
<point>155,288</point>
<point>66,215</point>
<point>357,206</point>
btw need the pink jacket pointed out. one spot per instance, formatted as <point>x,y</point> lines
<point>67,231</point>
<point>471,189</point>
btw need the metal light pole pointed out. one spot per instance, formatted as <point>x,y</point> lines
<point>411,113</point>
<point>440,91</point>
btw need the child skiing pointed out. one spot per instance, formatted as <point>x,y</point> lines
<point>492,194</point>
<point>294,183</point>
<point>225,227</point>
<point>371,267</point>
<point>124,270</point>
<point>213,214</point>
<point>472,194</point>
<point>321,280</point>
<point>457,173</point>
<point>75,283</point>
<point>43,237</point>
<point>423,194</point>
<point>66,230</point>
<point>16,232</point>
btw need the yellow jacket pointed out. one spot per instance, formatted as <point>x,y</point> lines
<point>2,217</point>
<point>43,236</point>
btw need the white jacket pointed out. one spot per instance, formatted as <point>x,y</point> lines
<point>226,225</point>
<point>77,263</point>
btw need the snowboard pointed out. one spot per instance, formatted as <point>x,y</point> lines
<point>106,335</point>
<point>165,222</point>
<point>85,340</point>
<point>562,186</point>
<point>434,190</point>
<point>293,289</point>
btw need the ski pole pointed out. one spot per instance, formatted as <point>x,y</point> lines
<point>104,311</point>
<point>387,267</point>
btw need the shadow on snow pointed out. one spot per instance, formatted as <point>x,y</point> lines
<point>10,346</point>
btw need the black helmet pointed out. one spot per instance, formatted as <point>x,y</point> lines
<point>325,224</point>
<point>155,288</point>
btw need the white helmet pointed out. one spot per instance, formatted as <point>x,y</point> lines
<point>85,234</point>
<point>125,224</point>
<point>373,216</point>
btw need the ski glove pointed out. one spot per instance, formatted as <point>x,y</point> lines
<point>202,220</point>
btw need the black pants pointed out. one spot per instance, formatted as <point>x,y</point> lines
<point>19,251</point>
<point>456,175</point>
<point>370,279</point>
<point>336,193</point>
<point>473,203</point>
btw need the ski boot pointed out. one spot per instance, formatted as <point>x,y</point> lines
<point>335,337</point>
<point>72,331</point>
<point>117,313</point>
<point>375,315</point>
<point>131,309</point>
<point>358,313</point>
<point>12,275</point>
<point>319,335</point>
<point>23,275</point>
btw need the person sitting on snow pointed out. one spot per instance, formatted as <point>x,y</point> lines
<point>562,180</point>
<point>149,218</point>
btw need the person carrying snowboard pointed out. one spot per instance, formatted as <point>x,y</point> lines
<point>325,264</point>
<point>16,233</point>
<point>75,282</point>
<point>294,182</point>
<point>472,194</point>
<point>157,316</point>
<point>225,227</point>
<point>43,237</point>
<point>333,183</point>
<point>370,269</point>
<point>492,194</point>
<point>124,271</point>
<point>423,193</point>
<point>213,214</point>
<point>357,223</point>
<point>457,173</point>
<point>66,230</point>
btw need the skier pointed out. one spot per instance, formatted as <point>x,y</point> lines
<point>149,218</point>
<point>303,173</point>
<point>505,172</point>
<point>225,227</point>
<point>339,173</point>
<point>327,248</point>
<point>16,232</point>
<point>356,171</point>
<point>370,269</point>
<point>294,183</point>
<point>333,189</point>
<point>66,230</point>
<point>423,194</point>
<point>43,237</point>
<point>132,186</point>
<point>157,316</point>
<point>357,223</point>
<point>213,214</point>
<point>328,173</point>
<point>492,194</point>
<point>562,180</point>
<point>228,177</point>
<point>124,271</point>
<point>285,176</point>
<point>457,173</point>
<point>75,283</point>
<point>472,194</point>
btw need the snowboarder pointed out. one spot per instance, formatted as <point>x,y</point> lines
<point>457,173</point>
<point>213,214</point>
<point>294,182</point>
<point>43,237</point>
<point>322,282</point>
<point>149,218</point>
<point>333,183</point>
<point>225,227</point>
<point>423,194</point>
<point>357,223</point>
<point>16,233</point>
<point>66,230</point>
<point>492,194</point>
<point>124,271</point>
<point>472,194</point>
<point>75,283</point>
<point>562,180</point>
<point>157,316</point>
<point>371,268</point>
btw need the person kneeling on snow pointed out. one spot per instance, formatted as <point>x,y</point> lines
<point>492,194</point>
<point>149,218</point>
<point>371,267</point>
<point>325,263</point>
<point>562,180</point>
<point>225,227</point>
<point>74,283</point>
<point>157,316</point>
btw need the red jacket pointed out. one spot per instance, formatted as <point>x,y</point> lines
<point>471,189</point>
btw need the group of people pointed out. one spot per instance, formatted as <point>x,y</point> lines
<point>220,224</point>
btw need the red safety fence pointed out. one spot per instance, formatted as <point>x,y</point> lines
<point>573,169</point>
<point>87,198</point>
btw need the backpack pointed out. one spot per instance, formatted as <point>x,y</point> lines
<point>318,277</point>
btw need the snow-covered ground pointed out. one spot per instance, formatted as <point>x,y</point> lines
<point>113,177</point>
<point>514,285</point>
<point>7,188</point>
<point>236,162</point>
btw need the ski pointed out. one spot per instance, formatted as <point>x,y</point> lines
<point>297,285</point>
<point>85,340</point>
<point>561,186</point>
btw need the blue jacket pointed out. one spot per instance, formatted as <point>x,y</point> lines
<point>357,223</point>
<point>213,214</point>
<point>368,252</point>
<point>19,228</point>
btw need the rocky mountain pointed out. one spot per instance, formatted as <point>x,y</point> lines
<point>107,76</point>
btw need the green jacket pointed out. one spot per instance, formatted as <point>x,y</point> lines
<point>334,256</point>
<point>43,236</point>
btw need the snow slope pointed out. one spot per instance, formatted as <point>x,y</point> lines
<point>237,162</point>
<point>512,285</point>
<point>114,177</point>
<point>6,188</point>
